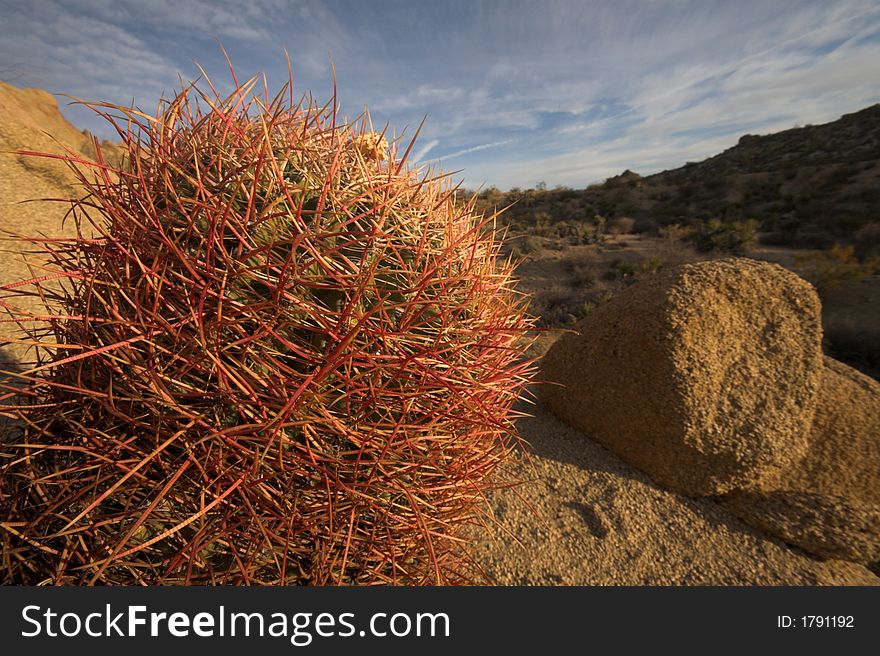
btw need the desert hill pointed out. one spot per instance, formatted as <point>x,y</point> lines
<point>806,198</point>
<point>30,120</point>
<point>853,138</point>
<point>807,187</point>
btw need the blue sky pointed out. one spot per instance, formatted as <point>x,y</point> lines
<point>515,93</point>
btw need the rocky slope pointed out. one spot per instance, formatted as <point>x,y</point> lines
<point>30,121</point>
<point>853,138</point>
<point>808,187</point>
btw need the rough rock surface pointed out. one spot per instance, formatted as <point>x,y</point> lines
<point>844,454</point>
<point>30,121</point>
<point>823,524</point>
<point>705,376</point>
<point>829,502</point>
<point>588,518</point>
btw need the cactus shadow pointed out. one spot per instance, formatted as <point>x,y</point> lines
<point>10,365</point>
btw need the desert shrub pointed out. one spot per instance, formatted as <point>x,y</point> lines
<point>611,274</point>
<point>765,189</point>
<point>845,225</point>
<point>583,269</point>
<point>650,264</point>
<point>829,269</point>
<point>810,235</point>
<point>622,225</point>
<point>672,212</point>
<point>584,275</point>
<point>867,240</point>
<point>736,237</point>
<point>629,270</point>
<point>558,232</point>
<point>599,223</point>
<point>646,225</point>
<point>543,225</point>
<point>780,230</point>
<point>730,211</point>
<point>559,306</point>
<point>530,244</point>
<point>840,175</point>
<point>714,184</point>
<point>687,191</point>
<point>278,356</point>
<point>571,231</point>
<point>674,232</point>
<point>625,268</point>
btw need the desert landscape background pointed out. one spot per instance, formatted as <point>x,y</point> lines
<point>805,198</point>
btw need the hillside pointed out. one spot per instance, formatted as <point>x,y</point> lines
<point>31,121</point>
<point>806,198</point>
<point>852,138</point>
<point>808,187</point>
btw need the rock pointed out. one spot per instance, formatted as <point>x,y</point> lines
<point>626,176</point>
<point>844,454</point>
<point>823,524</point>
<point>829,503</point>
<point>704,376</point>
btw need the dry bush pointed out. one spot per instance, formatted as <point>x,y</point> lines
<point>830,269</point>
<point>560,306</point>
<point>715,235</point>
<point>622,225</point>
<point>584,269</point>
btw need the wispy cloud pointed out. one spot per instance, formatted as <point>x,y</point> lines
<point>419,154</point>
<point>475,149</point>
<point>574,91</point>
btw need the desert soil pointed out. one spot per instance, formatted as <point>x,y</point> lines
<point>588,518</point>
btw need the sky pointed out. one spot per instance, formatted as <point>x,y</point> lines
<point>513,93</point>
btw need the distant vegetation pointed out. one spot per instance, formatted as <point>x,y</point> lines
<point>814,189</point>
<point>832,268</point>
<point>810,187</point>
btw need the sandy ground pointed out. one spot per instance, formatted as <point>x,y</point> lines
<point>588,518</point>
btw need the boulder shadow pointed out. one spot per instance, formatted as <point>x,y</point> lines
<point>547,437</point>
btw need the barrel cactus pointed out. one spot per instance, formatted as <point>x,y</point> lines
<point>274,353</point>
